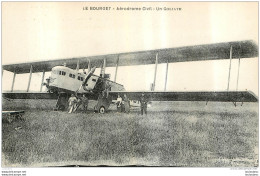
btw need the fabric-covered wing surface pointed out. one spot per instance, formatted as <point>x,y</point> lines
<point>29,95</point>
<point>223,96</point>
<point>240,49</point>
<point>37,95</point>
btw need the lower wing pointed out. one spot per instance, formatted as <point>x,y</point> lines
<point>29,95</point>
<point>220,96</point>
<point>39,95</point>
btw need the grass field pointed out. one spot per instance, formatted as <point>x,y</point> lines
<point>172,134</point>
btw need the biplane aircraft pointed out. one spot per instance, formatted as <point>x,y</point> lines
<point>65,80</point>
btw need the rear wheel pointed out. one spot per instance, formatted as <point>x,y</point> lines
<point>102,110</point>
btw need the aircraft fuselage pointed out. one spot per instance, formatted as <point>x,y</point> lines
<point>64,79</point>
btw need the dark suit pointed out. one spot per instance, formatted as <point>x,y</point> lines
<point>143,102</point>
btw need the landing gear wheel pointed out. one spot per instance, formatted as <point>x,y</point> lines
<point>102,110</point>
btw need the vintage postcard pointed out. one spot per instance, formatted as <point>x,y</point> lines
<point>170,84</point>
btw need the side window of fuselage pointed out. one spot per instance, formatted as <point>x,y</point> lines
<point>80,78</point>
<point>71,75</point>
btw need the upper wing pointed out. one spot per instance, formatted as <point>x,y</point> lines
<point>240,49</point>
<point>223,96</point>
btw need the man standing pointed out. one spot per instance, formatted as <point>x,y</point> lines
<point>84,102</point>
<point>72,103</point>
<point>119,103</point>
<point>127,104</point>
<point>143,102</point>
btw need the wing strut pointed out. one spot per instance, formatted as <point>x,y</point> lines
<point>116,68</point>
<point>230,62</point>
<point>238,72</point>
<point>103,68</point>
<point>43,74</point>
<point>89,66</point>
<point>166,75</point>
<point>155,71</point>
<point>238,66</point>
<point>30,77</point>
<point>12,88</point>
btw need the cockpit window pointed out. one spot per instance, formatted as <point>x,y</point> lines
<point>62,73</point>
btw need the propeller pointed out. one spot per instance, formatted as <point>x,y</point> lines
<point>90,73</point>
<point>88,76</point>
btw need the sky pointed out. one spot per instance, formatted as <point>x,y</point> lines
<point>35,31</point>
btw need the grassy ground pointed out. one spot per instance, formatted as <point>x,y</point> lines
<point>172,134</point>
